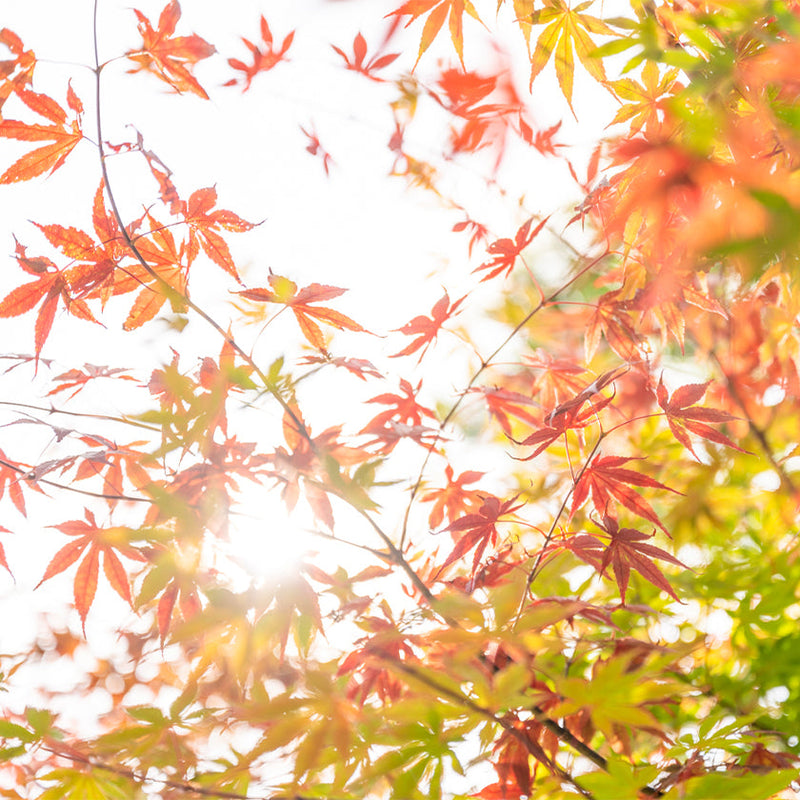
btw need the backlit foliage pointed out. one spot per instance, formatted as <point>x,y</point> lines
<point>553,546</point>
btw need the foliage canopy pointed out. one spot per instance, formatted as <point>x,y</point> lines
<point>549,521</point>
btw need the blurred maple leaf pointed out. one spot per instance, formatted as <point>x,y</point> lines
<point>504,252</point>
<point>264,59</point>
<point>16,73</point>
<point>360,53</point>
<point>453,499</point>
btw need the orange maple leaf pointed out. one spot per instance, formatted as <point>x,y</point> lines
<point>91,541</point>
<point>62,138</point>
<point>50,286</point>
<point>169,57</point>
<point>204,221</point>
<point>438,13</point>
<point>284,291</point>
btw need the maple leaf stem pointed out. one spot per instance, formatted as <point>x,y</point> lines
<point>107,417</point>
<point>484,364</point>
<point>27,474</point>
<point>534,571</point>
<point>633,419</point>
<point>332,538</point>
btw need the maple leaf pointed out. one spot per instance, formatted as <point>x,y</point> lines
<point>683,415</point>
<point>264,59</point>
<point>557,424</point>
<point>360,53</point>
<point>479,232</point>
<point>502,403</point>
<point>169,57</point>
<point>108,461</point>
<point>542,141</point>
<point>506,251</point>
<point>15,74</point>
<point>478,530</point>
<point>47,289</point>
<point>555,377</point>
<point>285,292</point>
<point>366,665</point>
<point>646,100</point>
<point>315,148</point>
<point>91,541</point>
<point>403,408</point>
<point>453,499</point>
<point>204,222</point>
<point>165,259</point>
<point>10,479</point>
<point>610,317</point>
<point>63,138</point>
<point>426,329</point>
<point>438,13</point>
<point>605,478</point>
<point>626,549</point>
<point>93,274</point>
<point>79,378</point>
<point>568,28</point>
<point>359,367</point>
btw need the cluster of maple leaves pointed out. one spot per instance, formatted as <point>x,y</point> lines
<point>694,208</point>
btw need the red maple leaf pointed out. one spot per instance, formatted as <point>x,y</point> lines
<point>62,137</point>
<point>264,58</point>
<point>285,292</point>
<point>478,231</point>
<point>605,478</point>
<point>360,53</point>
<point>480,529</point>
<point>426,329</point>
<point>626,549</point>
<point>503,403</point>
<point>169,57</point>
<point>683,415</point>
<point>506,251</point>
